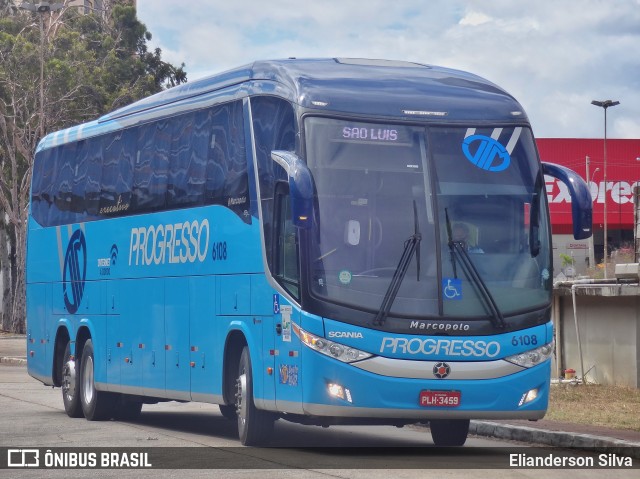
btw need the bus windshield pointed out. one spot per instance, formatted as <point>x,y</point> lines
<point>478,189</point>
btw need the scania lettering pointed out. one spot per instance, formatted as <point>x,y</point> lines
<point>323,241</point>
<point>345,334</point>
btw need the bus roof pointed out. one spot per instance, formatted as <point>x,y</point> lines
<point>357,86</point>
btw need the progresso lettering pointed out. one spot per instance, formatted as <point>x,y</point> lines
<point>176,243</point>
<point>448,347</point>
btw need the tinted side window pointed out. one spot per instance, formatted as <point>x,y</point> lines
<point>117,173</point>
<point>181,154</point>
<point>187,160</point>
<point>226,180</point>
<point>151,170</point>
<point>42,186</point>
<point>274,129</point>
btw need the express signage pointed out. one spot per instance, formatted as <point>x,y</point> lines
<point>617,194</point>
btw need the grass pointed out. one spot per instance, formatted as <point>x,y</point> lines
<point>593,404</point>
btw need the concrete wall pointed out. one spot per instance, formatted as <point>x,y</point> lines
<point>609,325</point>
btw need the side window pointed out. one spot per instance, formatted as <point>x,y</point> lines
<point>79,182</point>
<point>187,160</point>
<point>226,177</point>
<point>274,129</point>
<point>42,186</point>
<point>117,173</point>
<point>285,242</point>
<point>185,157</point>
<point>65,169</point>
<point>92,186</point>
<point>151,170</point>
<point>62,162</point>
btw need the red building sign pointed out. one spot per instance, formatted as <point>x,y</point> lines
<point>623,172</point>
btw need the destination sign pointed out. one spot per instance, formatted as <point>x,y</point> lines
<point>373,134</point>
<point>359,132</point>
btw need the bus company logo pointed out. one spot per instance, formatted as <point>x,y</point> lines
<point>432,346</point>
<point>105,264</point>
<point>114,254</point>
<point>179,243</point>
<point>441,370</point>
<point>489,154</point>
<point>75,271</point>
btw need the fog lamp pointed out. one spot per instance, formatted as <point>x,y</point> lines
<point>337,391</point>
<point>528,396</point>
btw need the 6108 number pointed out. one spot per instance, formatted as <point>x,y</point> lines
<point>219,251</point>
<point>524,340</point>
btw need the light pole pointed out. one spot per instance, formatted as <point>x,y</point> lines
<point>41,8</point>
<point>605,104</point>
<point>592,260</point>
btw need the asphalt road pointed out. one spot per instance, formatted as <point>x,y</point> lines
<point>32,416</point>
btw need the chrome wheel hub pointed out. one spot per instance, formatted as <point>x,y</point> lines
<point>69,379</point>
<point>241,401</point>
<point>88,387</point>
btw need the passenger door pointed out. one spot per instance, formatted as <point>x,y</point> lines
<point>286,272</point>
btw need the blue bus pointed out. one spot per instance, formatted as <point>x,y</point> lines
<point>324,241</point>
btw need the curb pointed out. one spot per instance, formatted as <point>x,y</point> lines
<point>554,438</point>
<point>13,361</point>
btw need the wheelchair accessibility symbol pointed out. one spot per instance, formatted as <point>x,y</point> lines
<point>452,289</point>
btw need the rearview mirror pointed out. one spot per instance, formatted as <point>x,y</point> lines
<point>300,187</point>
<point>581,203</point>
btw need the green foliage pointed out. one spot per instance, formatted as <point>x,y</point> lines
<point>56,70</point>
<point>567,260</point>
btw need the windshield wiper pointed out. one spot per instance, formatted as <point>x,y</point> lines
<point>411,246</point>
<point>458,247</point>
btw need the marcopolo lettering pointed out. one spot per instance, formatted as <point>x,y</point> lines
<point>423,325</point>
<point>448,347</point>
<point>177,243</point>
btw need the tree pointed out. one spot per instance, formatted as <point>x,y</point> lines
<point>92,64</point>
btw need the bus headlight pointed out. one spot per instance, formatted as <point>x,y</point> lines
<point>533,357</point>
<point>341,352</point>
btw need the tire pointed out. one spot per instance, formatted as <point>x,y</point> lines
<point>96,405</point>
<point>254,426</point>
<point>449,432</point>
<point>70,384</point>
<point>228,411</point>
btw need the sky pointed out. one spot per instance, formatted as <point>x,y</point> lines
<point>554,56</point>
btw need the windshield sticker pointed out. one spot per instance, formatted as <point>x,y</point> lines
<point>452,289</point>
<point>286,311</point>
<point>344,277</point>
<point>488,154</point>
<point>545,274</point>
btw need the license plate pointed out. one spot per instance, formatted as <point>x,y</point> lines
<point>440,398</point>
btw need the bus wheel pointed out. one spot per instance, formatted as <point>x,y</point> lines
<point>254,426</point>
<point>228,411</point>
<point>449,432</point>
<point>70,384</point>
<point>96,405</point>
